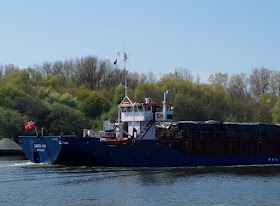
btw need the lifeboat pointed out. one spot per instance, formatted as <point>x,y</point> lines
<point>118,141</point>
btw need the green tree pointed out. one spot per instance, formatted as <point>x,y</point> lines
<point>200,102</point>
<point>242,110</point>
<point>53,97</point>
<point>20,79</point>
<point>186,108</point>
<point>68,100</point>
<point>35,108</point>
<point>54,81</point>
<point>67,120</point>
<point>215,102</point>
<point>35,76</point>
<point>238,86</point>
<point>265,104</point>
<point>219,79</point>
<point>8,94</point>
<point>82,93</point>
<point>43,92</point>
<point>12,124</point>
<point>48,95</point>
<point>94,104</point>
<point>119,94</point>
<point>275,112</point>
<point>143,91</point>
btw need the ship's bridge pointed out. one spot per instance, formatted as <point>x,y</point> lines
<point>146,112</point>
<point>141,117</point>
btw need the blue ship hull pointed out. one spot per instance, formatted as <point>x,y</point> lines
<point>145,153</point>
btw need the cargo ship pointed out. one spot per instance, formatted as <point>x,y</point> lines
<point>153,139</point>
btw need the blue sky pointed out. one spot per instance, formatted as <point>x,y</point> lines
<point>206,37</point>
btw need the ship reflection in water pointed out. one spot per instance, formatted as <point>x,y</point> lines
<point>150,176</point>
<point>244,185</point>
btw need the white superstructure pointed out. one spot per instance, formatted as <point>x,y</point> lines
<point>141,117</point>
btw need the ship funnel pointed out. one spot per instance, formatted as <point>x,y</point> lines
<point>147,100</point>
<point>167,92</point>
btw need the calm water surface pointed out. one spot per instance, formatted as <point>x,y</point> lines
<point>25,183</point>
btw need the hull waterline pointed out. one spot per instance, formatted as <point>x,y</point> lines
<point>74,151</point>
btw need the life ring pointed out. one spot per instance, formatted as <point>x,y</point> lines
<point>159,115</point>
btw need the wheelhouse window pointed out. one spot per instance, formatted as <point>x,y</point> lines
<point>140,108</point>
<point>148,108</point>
<point>169,116</point>
<point>158,108</point>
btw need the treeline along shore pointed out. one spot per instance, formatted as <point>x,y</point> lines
<point>68,96</point>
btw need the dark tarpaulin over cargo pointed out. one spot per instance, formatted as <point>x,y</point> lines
<point>216,129</point>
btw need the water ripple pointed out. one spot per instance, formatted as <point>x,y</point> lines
<point>27,183</point>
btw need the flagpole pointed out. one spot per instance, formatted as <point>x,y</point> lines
<point>36,131</point>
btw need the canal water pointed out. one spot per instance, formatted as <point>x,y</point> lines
<point>25,183</point>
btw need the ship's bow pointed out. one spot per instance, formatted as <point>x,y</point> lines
<point>41,149</point>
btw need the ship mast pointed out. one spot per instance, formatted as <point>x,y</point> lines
<point>119,124</point>
<point>125,80</point>
<point>125,72</point>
